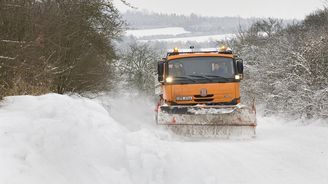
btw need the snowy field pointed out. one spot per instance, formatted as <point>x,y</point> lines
<point>56,139</point>
<point>178,33</point>
<point>198,39</point>
<point>174,31</point>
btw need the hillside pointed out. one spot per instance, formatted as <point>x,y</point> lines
<point>193,23</point>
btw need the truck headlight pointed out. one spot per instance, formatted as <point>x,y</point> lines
<point>169,79</point>
<point>238,77</point>
<point>184,98</point>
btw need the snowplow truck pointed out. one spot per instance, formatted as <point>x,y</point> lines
<point>199,94</point>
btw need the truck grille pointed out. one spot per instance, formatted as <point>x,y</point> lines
<point>207,98</point>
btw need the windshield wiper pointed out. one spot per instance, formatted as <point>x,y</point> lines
<point>185,77</point>
<point>211,77</point>
<point>202,76</point>
<point>217,76</point>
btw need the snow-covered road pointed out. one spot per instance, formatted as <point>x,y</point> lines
<point>72,140</point>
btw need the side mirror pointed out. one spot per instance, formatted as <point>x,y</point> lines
<point>160,71</point>
<point>240,66</point>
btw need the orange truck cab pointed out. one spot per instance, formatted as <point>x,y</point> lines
<point>200,94</point>
<point>200,77</point>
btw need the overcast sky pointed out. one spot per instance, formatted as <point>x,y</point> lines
<point>244,8</point>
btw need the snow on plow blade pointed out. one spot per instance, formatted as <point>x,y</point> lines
<point>209,121</point>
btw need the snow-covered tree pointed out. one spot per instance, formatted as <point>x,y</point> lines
<point>136,67</point>
<point>286,67</point>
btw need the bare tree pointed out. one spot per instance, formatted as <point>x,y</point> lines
<point>57,45</point>
<point>137,67</point>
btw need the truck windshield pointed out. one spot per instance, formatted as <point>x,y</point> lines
<point>211,69</point>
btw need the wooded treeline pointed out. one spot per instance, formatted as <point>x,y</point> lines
<point>286,68</point>
<point>193,23</point>
<point>57,45</point>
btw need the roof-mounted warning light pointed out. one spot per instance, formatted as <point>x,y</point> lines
<point>225,50</point>
<point>174,52</point>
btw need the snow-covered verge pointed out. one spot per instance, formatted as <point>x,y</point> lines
<point>73,140</point>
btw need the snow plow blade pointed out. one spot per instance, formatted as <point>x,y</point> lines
<point>209,121</point>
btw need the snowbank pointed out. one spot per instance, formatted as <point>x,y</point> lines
<point>59,139</point>
<point>73,140</point>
